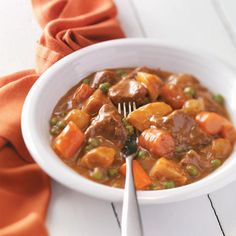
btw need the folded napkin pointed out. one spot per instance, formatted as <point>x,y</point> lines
<point>68,25</point>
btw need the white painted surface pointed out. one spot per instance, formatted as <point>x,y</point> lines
<point>19,32</point>
<point>185,22</point>
<point>76,214</point>
<point>187,218</point>
<point>228,9</point>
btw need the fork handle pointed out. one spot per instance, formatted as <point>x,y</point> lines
<point>131,224</point>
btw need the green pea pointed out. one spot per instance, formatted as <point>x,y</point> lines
<point>62,113</point>
<point>146,100</point>
<point>168,184</point>
<point>55,130</point>
<point>121,73</point>
<point>113,172</point>
<point>218,98</point>
<point>190,147</point>
<point>93,142</point>
<point>53,121</point>
<point>88,148</point>
<point>104,87</point>
<point>179,149</point>
<point>192,170</point>
<point>142,154</point>
<point>153,186</point>
<point>97,173</point>
<point>190,91</point>
<point>61,124</point>
<point>130,129</point>
<point>86,81</point>
<point>124,121</point>
<point>215,163</point>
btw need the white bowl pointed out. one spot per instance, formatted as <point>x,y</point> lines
<point>58,79</point>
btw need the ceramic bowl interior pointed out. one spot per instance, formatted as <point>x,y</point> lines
<point>57,80</point>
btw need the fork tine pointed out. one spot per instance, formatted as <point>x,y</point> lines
<point>124,109</point>
<point>130,107</point>
<point>119,108</point>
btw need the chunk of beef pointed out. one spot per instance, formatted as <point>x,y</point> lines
<point>193,158</point>
<point>108,124</point>
<point>209,103</point>
<point>184,129</point>
<point>162,74</point>
<point>185,80</point>
<point>128,90</point>
<point>104,76</point>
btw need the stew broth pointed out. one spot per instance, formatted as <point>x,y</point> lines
<point>180,129</point>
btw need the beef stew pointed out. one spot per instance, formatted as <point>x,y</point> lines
<point>181,130</point>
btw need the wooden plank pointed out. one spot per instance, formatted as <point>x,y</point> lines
<point>192,217</point>
<point>224,199</point>
<point>225,205</point>
<point>71,213</point>
<point>192,24</point>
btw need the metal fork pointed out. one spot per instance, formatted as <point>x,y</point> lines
<point>131,224</point>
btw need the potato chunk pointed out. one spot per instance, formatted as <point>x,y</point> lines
<point>93,104</point>
<point>80,118</point>
<point>194,106</point>
<point>151,82</point>
<point>169,170</point>
<point>221,148</point>
<point>145,116</point>
<point>98,157</point>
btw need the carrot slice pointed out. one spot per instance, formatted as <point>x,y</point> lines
<point>141,178</point>
<point>214,123</point>
<point>68,141</point>
<point>157,141</point>
<point>210,122</point>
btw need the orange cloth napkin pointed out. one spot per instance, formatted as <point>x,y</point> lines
<point>24,189</point>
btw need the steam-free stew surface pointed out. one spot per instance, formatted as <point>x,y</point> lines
<point>180,131</point>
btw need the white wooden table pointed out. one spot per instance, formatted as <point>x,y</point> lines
<point>205,24</point>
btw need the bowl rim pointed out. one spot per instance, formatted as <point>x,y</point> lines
<point>203,186</point>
